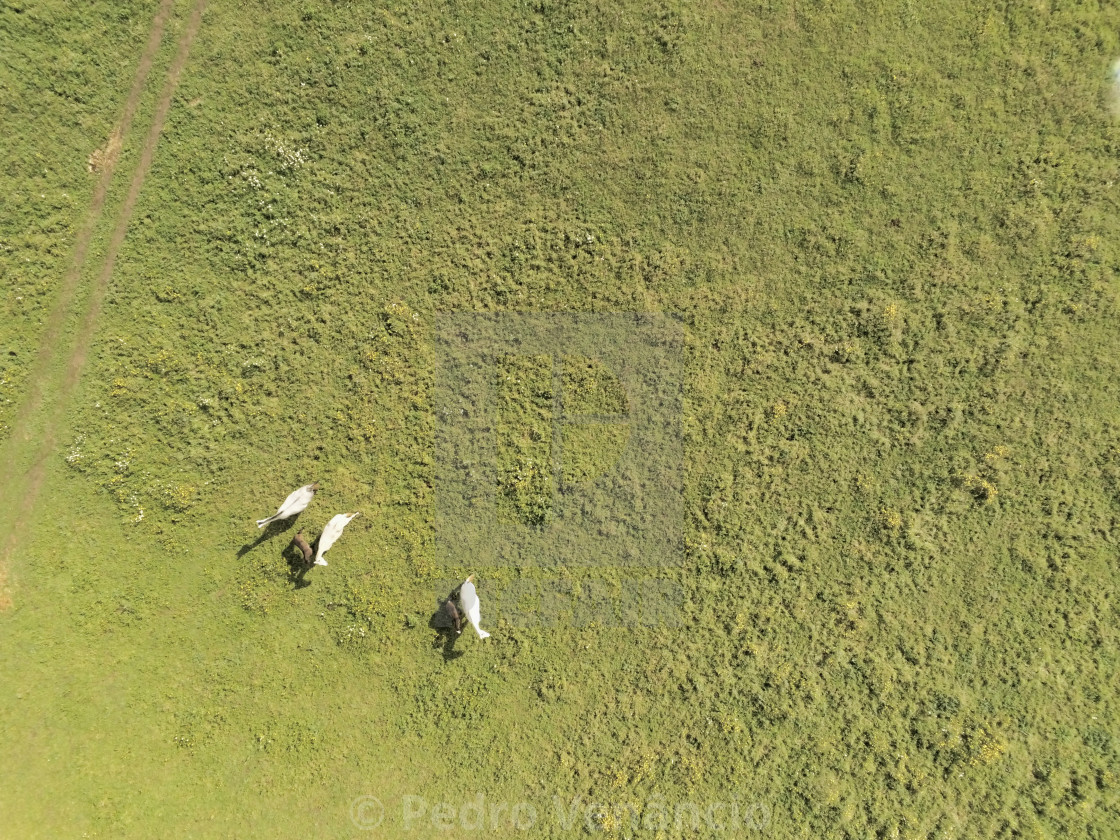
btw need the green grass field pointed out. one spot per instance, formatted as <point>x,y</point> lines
<point>890,236</point>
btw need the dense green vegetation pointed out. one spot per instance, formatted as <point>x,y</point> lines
<point>889,233</point>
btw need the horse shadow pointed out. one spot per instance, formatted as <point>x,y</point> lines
<point>297,569</point>
<point>272,529</point>
<point>445,633</point>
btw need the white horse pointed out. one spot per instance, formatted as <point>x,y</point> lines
<point>469,599</point>
<point>297,502</point>
<point>332,532</point>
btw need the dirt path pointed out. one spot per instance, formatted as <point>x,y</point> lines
<point>33,481</point>
<point>48,349</point>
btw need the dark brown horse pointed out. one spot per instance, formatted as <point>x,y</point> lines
<point>308,555</point>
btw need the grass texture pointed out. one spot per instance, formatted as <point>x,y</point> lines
<point>889,234</point>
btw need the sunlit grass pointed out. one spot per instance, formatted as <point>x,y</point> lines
<point>890,237</point>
